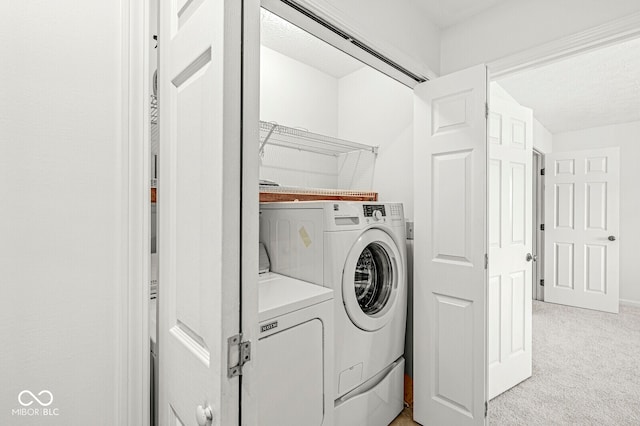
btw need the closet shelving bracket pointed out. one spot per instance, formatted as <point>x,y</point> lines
<point>288,137</point>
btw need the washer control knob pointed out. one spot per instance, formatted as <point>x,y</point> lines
<point>377,215</point>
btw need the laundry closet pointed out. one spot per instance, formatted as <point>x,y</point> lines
<point>335,151</point>
<point>335,145</point>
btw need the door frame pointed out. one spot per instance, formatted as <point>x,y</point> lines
<point>132,369</point>
<point>607,34</point>
<point>132,392</point>
<point>538,219</point>
<point>250,206</point>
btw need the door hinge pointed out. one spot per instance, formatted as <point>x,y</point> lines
<point>486,110</point>
<point>486,261</point>
<point>238,351</point>
<point>486,409</point>
<point>542,227</point>
<point>542,172</point>
<point>542,283</point>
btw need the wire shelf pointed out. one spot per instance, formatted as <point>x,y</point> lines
<point>288,137</point>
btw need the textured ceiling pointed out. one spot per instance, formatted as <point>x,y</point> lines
<point>445,13</point>
<point>283,37</point>
<point>598,88</point>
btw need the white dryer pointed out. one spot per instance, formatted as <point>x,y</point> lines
<point>358,249</point>
<point>295,346</point>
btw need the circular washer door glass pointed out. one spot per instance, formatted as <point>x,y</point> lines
<point>373,281</point>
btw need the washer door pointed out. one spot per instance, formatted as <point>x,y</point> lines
<point>371,280</point>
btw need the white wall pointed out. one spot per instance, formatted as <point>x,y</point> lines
<point>377,110</point>
<point>542,138</point>
<point>61,163</point>
<point>399,29</point>
<point>515,25</point>
<point>627,137</point>
<point>297,95</point>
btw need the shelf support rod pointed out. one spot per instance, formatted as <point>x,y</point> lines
<point>264,142</point>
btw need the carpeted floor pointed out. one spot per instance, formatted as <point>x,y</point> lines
<point>586,370</point>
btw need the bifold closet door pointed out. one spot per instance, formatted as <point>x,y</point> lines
<point>450,169</point>
<point>509,304</point>
<point>199,209</point>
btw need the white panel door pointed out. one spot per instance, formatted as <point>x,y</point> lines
<point>450,147</point>
<point>510,241</point>
<point>582,223</point>
<point>199,209</point>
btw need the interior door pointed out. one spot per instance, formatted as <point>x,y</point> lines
<point>582,222</point>
<point>510,243</point>
<point>199,209</point>
<point>450,170</point>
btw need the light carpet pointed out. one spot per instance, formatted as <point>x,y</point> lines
<point>586,370</point>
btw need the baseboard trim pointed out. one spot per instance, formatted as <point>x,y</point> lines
<point>628,302</point>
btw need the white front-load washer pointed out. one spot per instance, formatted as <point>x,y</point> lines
<point>358,249</point>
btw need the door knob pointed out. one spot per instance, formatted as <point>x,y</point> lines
<point>612,238</point>
<point>531,257</point>
<point>204,415</point>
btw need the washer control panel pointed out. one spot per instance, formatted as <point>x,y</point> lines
<point>377,212</point>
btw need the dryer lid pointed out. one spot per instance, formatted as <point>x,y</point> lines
<point>279,295</point>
